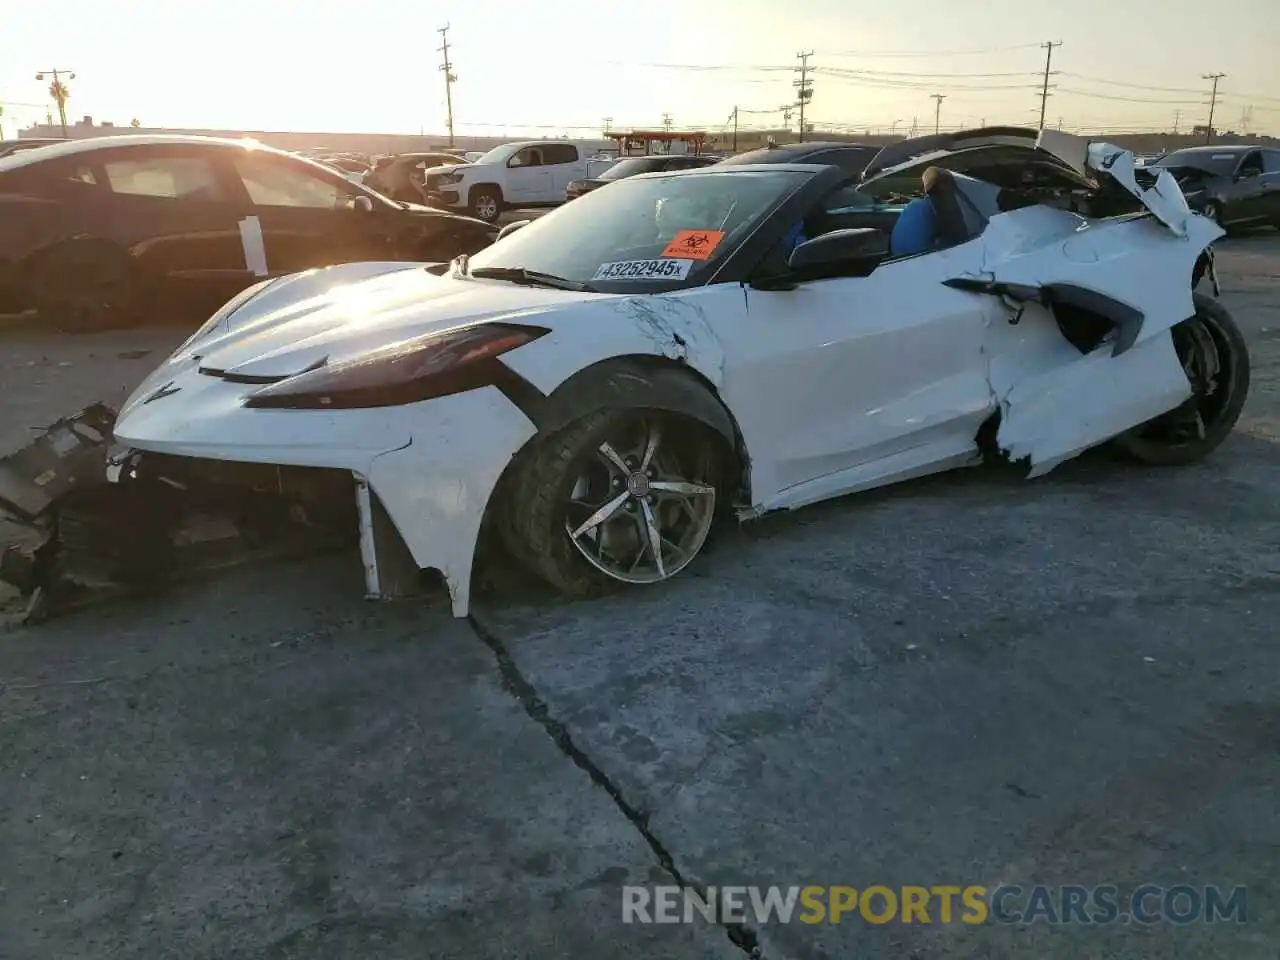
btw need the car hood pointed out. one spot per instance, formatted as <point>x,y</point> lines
<point>450,168</point>
<point>282,327</point>
<point>422,210</point>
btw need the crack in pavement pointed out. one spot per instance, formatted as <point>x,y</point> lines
<point>515,682</point>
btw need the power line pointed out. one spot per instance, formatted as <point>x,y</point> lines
<point>926,53</point>
<point>1140,86</point>
<point>848,71</point>
<point>1104,96</point>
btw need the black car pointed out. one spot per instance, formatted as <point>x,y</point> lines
<point>633,166</point>
<point>1238,186</point>
<point>400,177</point>
<point>852,157</point>
<point>105,232</point>
<point>10,147</point>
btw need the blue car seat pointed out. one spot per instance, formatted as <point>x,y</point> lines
<point>916,229</point>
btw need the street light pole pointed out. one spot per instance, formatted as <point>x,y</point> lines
<point>59,92</point>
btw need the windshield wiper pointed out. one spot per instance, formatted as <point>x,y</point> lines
<point>530,278</point>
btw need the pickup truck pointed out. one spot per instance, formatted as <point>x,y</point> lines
<point>532,173</point>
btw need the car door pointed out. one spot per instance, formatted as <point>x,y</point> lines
<point>307,217</point>
<point>527,181</point>
<point>173,209</point>
<point>846,383</point>
<point>565,165</point>
<point>1245,202</point>
<point>1271,185</point>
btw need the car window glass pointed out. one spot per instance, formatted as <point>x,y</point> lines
<point>559,153</point>
<point>1251,165</point>
<point>174,178</point>
<point>1271,161</point>
<point>272,184</point>
<point>528,157</point>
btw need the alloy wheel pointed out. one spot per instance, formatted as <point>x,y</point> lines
<point>487,208</point>
<point>642,506</point>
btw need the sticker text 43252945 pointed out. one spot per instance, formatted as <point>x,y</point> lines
<point>660,269</point>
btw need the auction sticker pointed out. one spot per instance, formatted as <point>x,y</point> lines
<point>694,244</point>
<point>665,269</point>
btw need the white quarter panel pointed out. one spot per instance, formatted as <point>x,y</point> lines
<point>1055,415</point>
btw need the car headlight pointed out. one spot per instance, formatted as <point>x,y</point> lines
<point>424,368</point>
<point>450,178</point>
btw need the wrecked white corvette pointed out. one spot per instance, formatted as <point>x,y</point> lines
<point>600,386</point>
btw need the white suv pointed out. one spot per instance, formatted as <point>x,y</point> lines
<point>533,173</point>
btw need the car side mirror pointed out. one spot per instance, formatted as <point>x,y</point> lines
<point>853,252</point>
<point>511,228</point>
<point>363,204</point>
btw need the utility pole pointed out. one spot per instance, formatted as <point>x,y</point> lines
<point>607,121</point>
<point>937,111</point>
<point>449,76</point>
<point>1177,117</point>
<point>804,87</point>
<point>735,129</point>
<point>1044,89</point>
<point>666,122</point>
<point>59,92</point>
<point>1213,102</point>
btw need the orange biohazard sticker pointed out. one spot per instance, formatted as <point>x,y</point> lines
<point>693,244</point>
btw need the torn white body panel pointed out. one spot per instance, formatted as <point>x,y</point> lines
<point>1056,414</point>
<point>1097,159</point>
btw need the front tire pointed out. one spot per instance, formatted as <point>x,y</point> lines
<point>618,497</point>
<point>1216,358</point>
<point>486,204</point>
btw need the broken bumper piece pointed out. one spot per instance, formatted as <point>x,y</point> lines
<point>84,522</point>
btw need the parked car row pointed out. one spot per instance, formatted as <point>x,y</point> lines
<point>1236,186</point>
<point>96,233</point>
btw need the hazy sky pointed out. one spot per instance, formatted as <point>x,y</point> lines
<point>560,65</point>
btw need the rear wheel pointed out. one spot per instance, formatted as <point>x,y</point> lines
<point>1213,211</point>
<point>618,497</point>
<point>82,288</point>
<point>1216,360</point>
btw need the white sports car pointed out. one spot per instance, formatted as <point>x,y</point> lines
<point>601,386</point>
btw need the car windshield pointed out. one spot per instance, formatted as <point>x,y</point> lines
<point>500,154</point>
<point>632,166</point>
<point>645,230</point>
